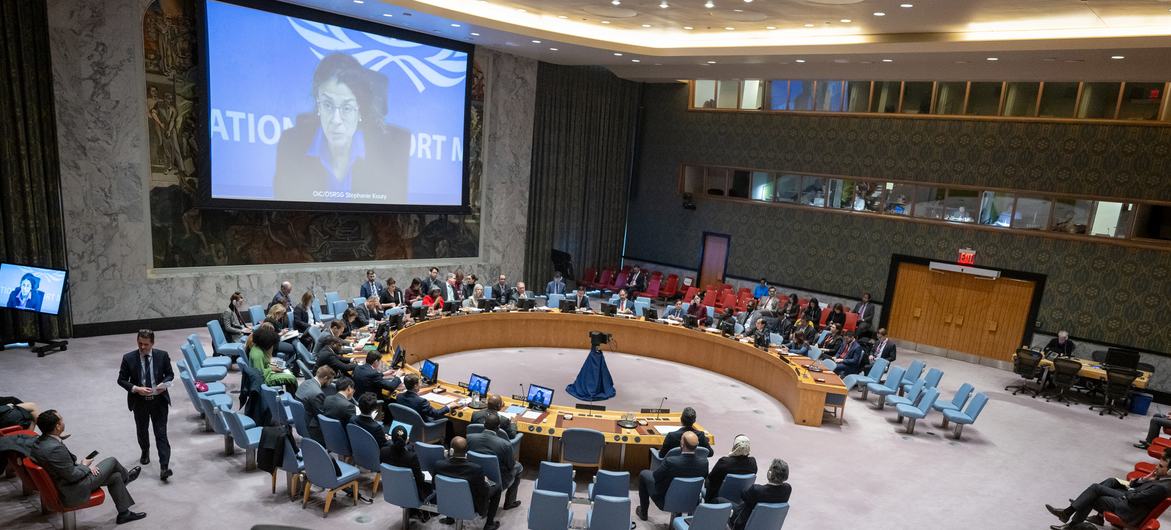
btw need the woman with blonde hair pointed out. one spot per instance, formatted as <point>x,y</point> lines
<point>476,300</point>
<point>738,462</point>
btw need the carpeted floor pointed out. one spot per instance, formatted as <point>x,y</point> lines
<point>1022,453</point>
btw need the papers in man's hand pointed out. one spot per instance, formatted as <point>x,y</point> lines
<point>665,429</point>
<point>531,415</point>
<point>442,399</point>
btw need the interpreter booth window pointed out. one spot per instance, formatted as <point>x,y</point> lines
<point>1021,99</point>
<point>961,206</point>
<point>1058,100</point>
<point>813,191</point>
<point>800,95</point>
<point>751,94</point>
<point>1140,101</point>
<point>886,96</point>
<point>857,96</point>
<point>1071,216</point>
<point>1032,213</point>
<point>841,194</point>
<point>917,97</point>
<point>741,184</point>
<point>705,94</point>
<point>828,96</point>
<point>726,94</point>
<point>716,180</point>
<point>788,188</point>
<point>1099,100</point>
<point>763,186</point>
<point>984,99</point>
<point>996,208</point>
<point>928,202</point>
<point>1112,219</point>
<point>778,94</point>
<point>693,180</point>
<point>870,196</point>
<point>949,97</point>
<point>898,198</point>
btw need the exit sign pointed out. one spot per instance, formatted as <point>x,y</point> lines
<point>966,256</point>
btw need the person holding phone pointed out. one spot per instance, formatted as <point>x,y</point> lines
<point>76,480</point>
<point>146,375</point>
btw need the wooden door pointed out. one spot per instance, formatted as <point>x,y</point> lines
<point>960,312</point>
<point>713,259</point>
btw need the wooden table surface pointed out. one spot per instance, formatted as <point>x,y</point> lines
<point>1094,370</point>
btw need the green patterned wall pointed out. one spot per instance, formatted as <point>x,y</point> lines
<point>1098,291</point>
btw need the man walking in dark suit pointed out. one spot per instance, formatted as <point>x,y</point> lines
<point>146,375</point>
<point>75,481</point>
<point>485,495</point>
<point>672,439</point>
<point>652,486</point>
<point>1130,501</point>
<point>488,442</point>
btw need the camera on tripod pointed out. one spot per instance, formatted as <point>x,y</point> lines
<point>597,338</point>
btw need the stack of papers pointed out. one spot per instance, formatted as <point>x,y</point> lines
<point>442,399</point>
<point>665,429</point>
<point>531,415</point>
<point>512,411</point>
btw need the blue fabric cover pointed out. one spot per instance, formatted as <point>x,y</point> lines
<point>593,381</point>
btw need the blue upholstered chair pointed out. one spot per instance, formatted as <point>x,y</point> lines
<point>554,300</point>
<point>549,510</point>
<point>297,409</point>
<point>739,329</point>
<point>683,495</point>
<point>201,354</point>
<point>911,397</point>
<point>814,352</point>
<point>399,489</point>
<point>336,439</point>
<point>487,291</point>
<point>711,313</point>
<point>318,315</point>
<point>245,438</point>
<point>931,380</point>
<point>421,431</point>
<point>294,468</point>
<point>913,372</point>
<point>339,307</point>
<point>490,464</point>
<point>475,428</point>
<point>707,517</point>
<point>582,447</point>
<point>220,344</point>
<point>453,498</point>
<point>768,516</point>
<point>893,379</point>
<point>212,387</point>
<point>428,455</point>
<point>269,395</point>
<point>914,413</point>
<point>609,513</point>
<point>357,301</point>
<point>610,484</point>
<point>828,364</point>
<point>330,298</point>
<point>957,401</point>
<point>256,313</point>
<point>200,372</point>
<point>640,308</point>
<point>194,395</point>
<point>365,451</point>
<point>556,477</point>
<point>873,376</point>
<point>969,415</point>
<point>775,338</point>
<point>212,411</point>
<point>734,486</point>
<point>320,472</point>
<point>655,460</point>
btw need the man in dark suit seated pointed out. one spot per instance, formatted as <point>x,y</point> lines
<point>580,299</point>
<point>671,441</point>
<point>556,285</point>
<point>410,398</point>
<point>502,292</point>
<point>495,404</point>
<point>652,486</point>
<point>76,481</point>
<point>675,312</point>
<point>1129,501</point>
<point>327,355</point>
<point>367,407</point>
<point>883,348</point>
<point>371,377</point>
<point>488,442</point>
<point>849,357</point>
<point>776,491</point>
<point>340,406</point>
<point>485,495</point>
<point>371,311</point>
<point>282,296</point>
<point>759,334</point>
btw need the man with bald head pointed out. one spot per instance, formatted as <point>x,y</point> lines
<point>485,495</point>
<point>495,404</point>
<point>282,296</point>
<point>653,485</point>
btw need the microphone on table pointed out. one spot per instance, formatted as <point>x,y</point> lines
<point>659,411</point>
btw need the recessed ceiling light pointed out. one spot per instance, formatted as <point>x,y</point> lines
<point>799,61</point>
<point>646,25</point>
<point>747,1</point>
<point>454,25</point>
<point>688,27</point>
<point>1116,57</point>
<point>616,2</point>
<point>474,34</point>
<point>770,27</point>
<point>605,21</point>
<point>879,14</point>
<point>888,60</point>
<point>562,16</point>
<point>711,62</point>
<point>709,4</point>
<point>845,21</point>
<point>993,58</point>
<point>359,1</point>
<point>387,15</point>
<point>737,10</point>
<point>906,6</point>
<point>635,61</point>
<point>536,41</point>
<point>552,49</point>
<point>616,54</point>
<point>809,25</point>
<point>730,28</point>
<point>664,4</point>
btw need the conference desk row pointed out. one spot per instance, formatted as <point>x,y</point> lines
<point>789,379</point>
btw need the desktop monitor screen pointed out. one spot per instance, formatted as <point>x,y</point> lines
<point>539,396</point>
<point>400,356</point>
<point>31,288</point>
<point>479,384</point>
<point>609,309</point>
<point>430,371</point>
<point>526,305</point>
<point>651,313</point>
<point>567,305</point>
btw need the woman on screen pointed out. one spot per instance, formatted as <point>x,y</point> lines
<point>26,296</point>
<point>344,151</point>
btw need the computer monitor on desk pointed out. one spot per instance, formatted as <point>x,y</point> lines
<point>567,306</point>
<point>479,384</point>
<point>539,397</point>
<point>526,304</point>
<point>609,309</point>
<point>430,371</point>
<point>400,357</point>
<point>651,313</point>
<point>1122,358</point>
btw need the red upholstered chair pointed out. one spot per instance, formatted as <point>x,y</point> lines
<point>670,287</point>
<point>51,500</point>
<point>588,277</point>
<point>11,430</point>
<point>711,297</point>
<point>656,274</point>
<point>603,280</point>
<point>824,315</point>
<point>744,291</point>
<point>652,287</point>
<point>726,300</point>
<point>27,486</point>
<point>851,321</point>
<point>691,292</point>
<point>619,281</point>
<point>1151,522</point>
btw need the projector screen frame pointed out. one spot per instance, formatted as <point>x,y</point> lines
<point>203,136</point>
